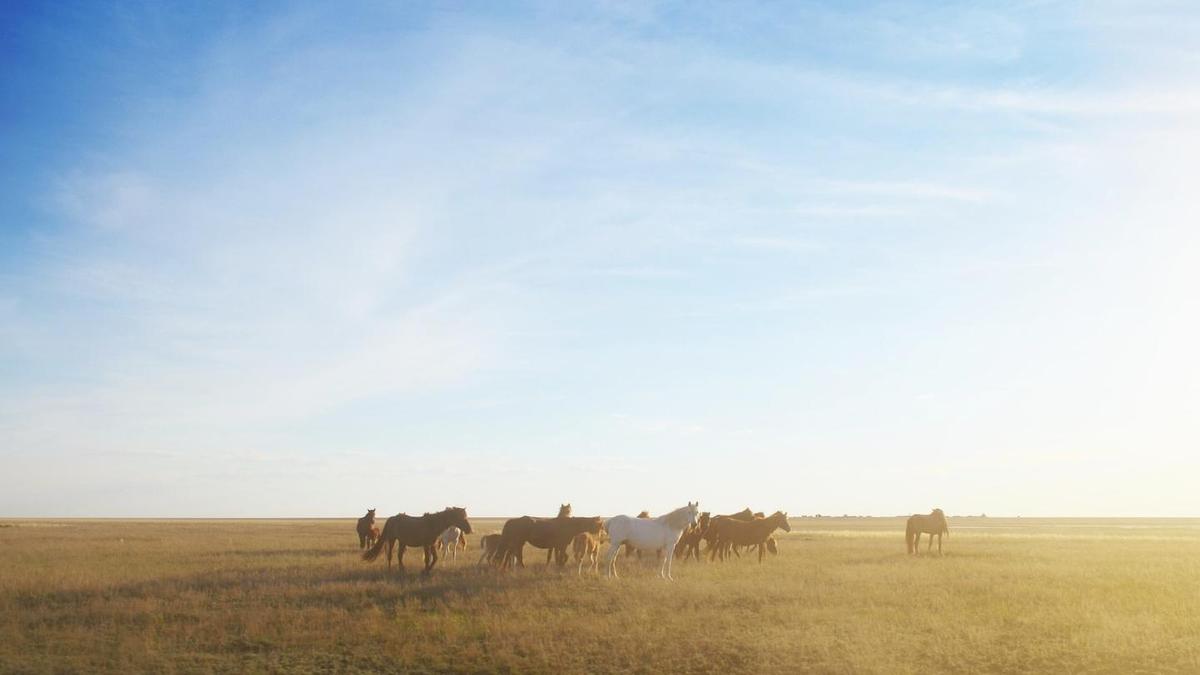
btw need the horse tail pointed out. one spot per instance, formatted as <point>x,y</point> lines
<point>373,552</point>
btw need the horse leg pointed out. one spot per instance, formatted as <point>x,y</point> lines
<point>762,550</point>
<point>917,544</point>
<point>929,548</point>
<point>400,559</point>
<point>610,560</point>
<point>431,558</point>
<point>390,545</point>
<point>939,543</point>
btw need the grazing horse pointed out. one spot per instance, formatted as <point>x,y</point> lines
<point>689,543</point>
<point>650,534</point>
<point>420,531</point>
<point>934,523</point>
<point>451,541</point>
<point>731,532</point>
<point>586,547</point>
<point>554,534</point>
<point>364,529</point>
<point>490,545</point>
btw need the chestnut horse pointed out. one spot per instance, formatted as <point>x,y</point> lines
<point>490,545</point>
<point>554,534</point>
<point>564,511</point>
<point>731,532</point>
<point>586,547</point>
<point>420,531</point>
<point>689,543</point>
<point>934,523</point>
<point>364,529</point>
<point>707,536</point>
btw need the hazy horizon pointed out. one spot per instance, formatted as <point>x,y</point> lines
<point>818,258</point>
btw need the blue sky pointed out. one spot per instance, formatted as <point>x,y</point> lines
<point>829,258</point>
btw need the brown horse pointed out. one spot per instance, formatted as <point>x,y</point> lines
<point>586,547</point>
<point>420,531</point>
<point>490,545</point>
<point>709,533</point>
<point>730,531</point>
<point>554,534</point>
<point>564,511</point>
<point>689,543</point>
<point>934,523</point>
<point>364,529</point>
<point>373,536</point>
<point>737,550</point>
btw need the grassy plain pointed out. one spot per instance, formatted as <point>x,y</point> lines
<point>1023,595</point>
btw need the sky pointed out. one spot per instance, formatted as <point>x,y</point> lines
<point>843,258</point>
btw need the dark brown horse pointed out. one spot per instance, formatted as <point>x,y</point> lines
<point>554,534</point>
<point>420,531</point>
<point>729,531</point>
<point>689,543</point>
<point>364,529</point>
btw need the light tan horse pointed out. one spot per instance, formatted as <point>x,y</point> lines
<point>586,547</point>
<point>450,542</point>
<point>934,523</point>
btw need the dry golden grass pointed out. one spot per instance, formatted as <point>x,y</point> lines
<point>263,596</point>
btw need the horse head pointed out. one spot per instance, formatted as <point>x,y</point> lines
<point>940,517</point>
<point>564,510</point>
<point>782,518</point>
<point>458,517</point>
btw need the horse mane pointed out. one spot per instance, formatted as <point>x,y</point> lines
<point>678,517</point>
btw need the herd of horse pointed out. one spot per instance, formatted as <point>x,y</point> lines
<point>677,534</point>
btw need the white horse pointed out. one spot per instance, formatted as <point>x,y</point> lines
<point>451,541</point>
<point>649,534</point>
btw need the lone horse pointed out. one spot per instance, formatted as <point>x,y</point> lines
<point>649,534</point>
<point>420,531</point>
<point>365,524</point>
<point>934,523</point>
